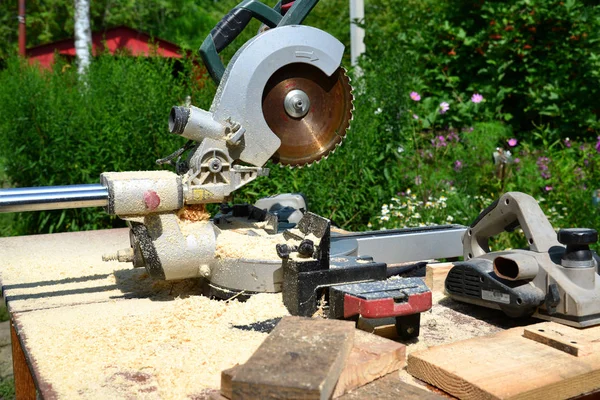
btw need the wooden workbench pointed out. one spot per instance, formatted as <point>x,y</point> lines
<point>93,329</point>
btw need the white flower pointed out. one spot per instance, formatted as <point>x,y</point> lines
<point>416,215</point>
<point>400,149</point>
<point>449,218</point>
<point>378,111</point>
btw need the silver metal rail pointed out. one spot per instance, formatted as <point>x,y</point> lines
<point>405,245</point>
<point>53,198</point>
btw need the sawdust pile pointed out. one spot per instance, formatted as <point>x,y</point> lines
<point>143,348</point>
<point>249,245</point>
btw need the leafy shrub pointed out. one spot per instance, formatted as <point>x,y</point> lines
<point>454,179</point>
<point>536,62</point>
<point>60,131</point>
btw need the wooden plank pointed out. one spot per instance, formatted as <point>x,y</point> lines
<point>435,276</point>
<point>564,338</point>
<point>390,388</point>
<point>371,358</point>
<point>24,385</point>
<point>301,358</point>
<point>226,377</point>
<point>507,365</point>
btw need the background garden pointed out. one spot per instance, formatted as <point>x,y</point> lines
<point>458,102</point>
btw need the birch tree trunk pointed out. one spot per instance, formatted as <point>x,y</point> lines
<point>83,35</point>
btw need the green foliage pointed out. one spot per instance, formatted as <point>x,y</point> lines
<point>64,131</point>
<point>536,62</point>
<point>7,388</point>
<point>454,182</point>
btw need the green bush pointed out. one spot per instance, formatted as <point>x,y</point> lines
<point>458,174</point>
<point>536,62</point>
<point>59,130</point>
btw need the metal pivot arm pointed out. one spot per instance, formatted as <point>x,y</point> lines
<point>512,210</point>
<point>232,24</point>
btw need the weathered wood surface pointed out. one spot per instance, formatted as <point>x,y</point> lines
<point>390,388</point>
<point>508,365</point>
<point>301,358</point>
<point>371,357</point>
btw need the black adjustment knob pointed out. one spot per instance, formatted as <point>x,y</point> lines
<point>580,236</point>
<point>577,240</point>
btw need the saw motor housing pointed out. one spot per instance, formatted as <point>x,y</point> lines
<point>549,280</point>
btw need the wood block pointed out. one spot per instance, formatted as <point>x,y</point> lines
<point>577,342</point>
<point>371,358</point>
<point>435,276</point>
<point>508,365</point>
<point>390,388</point>
<point>301,358</point>
<point>226,377</point>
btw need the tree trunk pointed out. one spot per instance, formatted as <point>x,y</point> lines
<point>83,35</point>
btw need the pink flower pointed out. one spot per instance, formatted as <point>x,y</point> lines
<point>458,165</point>
<point>548,188</point>
<point>439,141</point>
<point>415,116</point>
<point>517,160</point>
<point>444,107</point>
<point>477,98</point>
<point>512,142</point>
<point>415,96</point>
<point>598,145</point>
<point>567,142</point>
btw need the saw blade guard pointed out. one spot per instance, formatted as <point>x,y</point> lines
<point>239,95</point>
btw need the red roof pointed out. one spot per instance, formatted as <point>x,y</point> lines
<point>135,42</point>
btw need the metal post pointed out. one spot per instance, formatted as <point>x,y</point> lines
<point>22,31</point>
<point>357,34</point>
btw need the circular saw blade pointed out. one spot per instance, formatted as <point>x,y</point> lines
<point>308,138</point>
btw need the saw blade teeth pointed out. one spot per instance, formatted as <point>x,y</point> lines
<point>292,153</point>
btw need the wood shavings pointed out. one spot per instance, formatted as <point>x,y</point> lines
<point>194,212</point>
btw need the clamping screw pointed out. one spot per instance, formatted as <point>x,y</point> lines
<point>306,248</point>
<point>577,253</point>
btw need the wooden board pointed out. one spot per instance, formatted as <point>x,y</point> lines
<point>390,388</point>
<point>435,276</point>
<point>576,342</point>
<point>371,357</point>
<point>507,365</point>
<point>301,358</point>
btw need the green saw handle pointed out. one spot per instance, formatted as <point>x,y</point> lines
<point>232,24</point>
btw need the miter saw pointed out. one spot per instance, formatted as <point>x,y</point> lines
<point>283,97</point>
